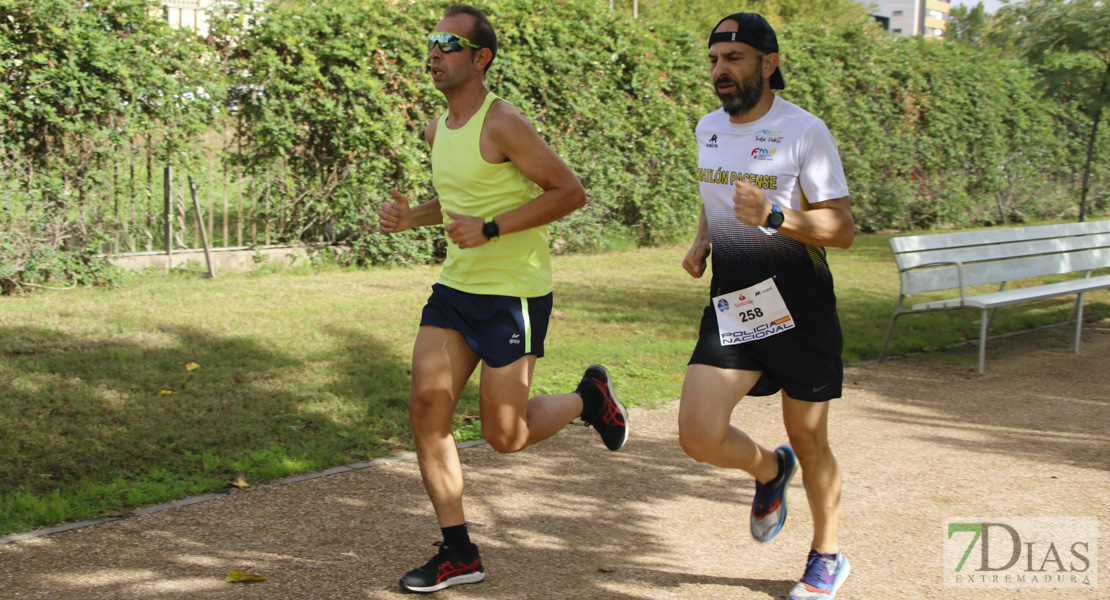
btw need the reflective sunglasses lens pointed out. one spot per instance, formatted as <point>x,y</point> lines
<point>448,42</point>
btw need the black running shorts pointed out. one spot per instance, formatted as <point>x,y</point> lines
<point>804,361</point>
<point>499,329</point>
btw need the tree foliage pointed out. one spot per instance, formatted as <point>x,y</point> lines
<point>78,81</point>
<point>699,16</point>
<point>336,96</point>
<point>327,98</point>
<point>931,134</point>
<point>1068,41</point>
<point>968,25</point>
<point>324,103</point>
<point>81,78</point>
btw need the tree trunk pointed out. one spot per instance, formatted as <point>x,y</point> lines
<point>1091,148</point>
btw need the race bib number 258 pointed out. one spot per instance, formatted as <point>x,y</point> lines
<point>752,313</point>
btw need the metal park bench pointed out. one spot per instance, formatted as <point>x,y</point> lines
<point>958,261</point>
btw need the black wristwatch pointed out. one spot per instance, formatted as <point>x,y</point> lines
<point>775,219</point>
<point>491,230</point>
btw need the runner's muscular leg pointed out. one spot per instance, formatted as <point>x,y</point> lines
<point>510,420</point>
<point>807,426</point>
<point>709,395</point>
<point>441,365</point>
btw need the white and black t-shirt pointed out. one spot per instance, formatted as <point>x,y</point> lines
<point>792,156</point>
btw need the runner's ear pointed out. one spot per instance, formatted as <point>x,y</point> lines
<point>482,58</point>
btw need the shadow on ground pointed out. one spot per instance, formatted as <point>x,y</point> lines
<point>1058,416</point>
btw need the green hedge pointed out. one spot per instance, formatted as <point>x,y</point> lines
<point>326,102</point>
<point>341,88</point>
<point>934,134</point>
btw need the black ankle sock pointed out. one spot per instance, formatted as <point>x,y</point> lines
<point>456,537</point>
<point>591,400</point>
<point>782,471</point>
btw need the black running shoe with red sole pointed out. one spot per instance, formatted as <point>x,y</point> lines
<point>447,568</point>
<point>611,420</point>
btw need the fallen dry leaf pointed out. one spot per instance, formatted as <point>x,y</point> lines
<point>165,392</point>
<point>240,480</point>
<point>191,366</point>
<point>235,576</point>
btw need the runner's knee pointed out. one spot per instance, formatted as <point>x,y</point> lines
<point>699,445</point>
<point>809,446</point>
<point>427,406</point>
<point>505,440</point>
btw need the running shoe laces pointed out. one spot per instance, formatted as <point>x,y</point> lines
<point>824,575</point>
<point>818,575</point>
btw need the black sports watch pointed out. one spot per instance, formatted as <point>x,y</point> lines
<point>492,230</point>
<point>775,219</point>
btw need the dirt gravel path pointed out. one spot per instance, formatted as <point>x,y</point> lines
<point>919,439</point>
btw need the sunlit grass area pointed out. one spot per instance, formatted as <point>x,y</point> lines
<point>172,385</point>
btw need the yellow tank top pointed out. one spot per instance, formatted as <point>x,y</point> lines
<point>516,264</point>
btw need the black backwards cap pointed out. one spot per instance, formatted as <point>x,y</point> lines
<point>754,31</point>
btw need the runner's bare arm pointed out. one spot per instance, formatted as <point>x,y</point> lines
<point>694,263</point>
<point>397,216</point>
<point>511,137</point>
<point>828,223</point>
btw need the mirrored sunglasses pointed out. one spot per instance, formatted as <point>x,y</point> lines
<point>449,42</point>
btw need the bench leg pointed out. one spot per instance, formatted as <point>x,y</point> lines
<point>1075,308</point>
<point>889,335</point>
<point>1078,321</point>
<point>890,330</point>
<point>984,327</point>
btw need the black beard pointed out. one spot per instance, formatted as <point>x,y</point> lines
<point>747,94</point>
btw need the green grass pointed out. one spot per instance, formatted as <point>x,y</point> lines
<point>305,369</point>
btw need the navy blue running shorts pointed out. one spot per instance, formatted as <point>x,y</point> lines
<point>499,329</point>
<point>804,361</point>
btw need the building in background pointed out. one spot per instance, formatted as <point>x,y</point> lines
<point>928,18</point>
<point>188,14</point>
<point>194,15</point>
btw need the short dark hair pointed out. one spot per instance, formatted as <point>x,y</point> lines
<point>482,33</point>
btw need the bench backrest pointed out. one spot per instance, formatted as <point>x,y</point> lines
<point>997,255</point>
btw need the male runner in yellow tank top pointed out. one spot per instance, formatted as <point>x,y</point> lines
<point>499,184</point>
